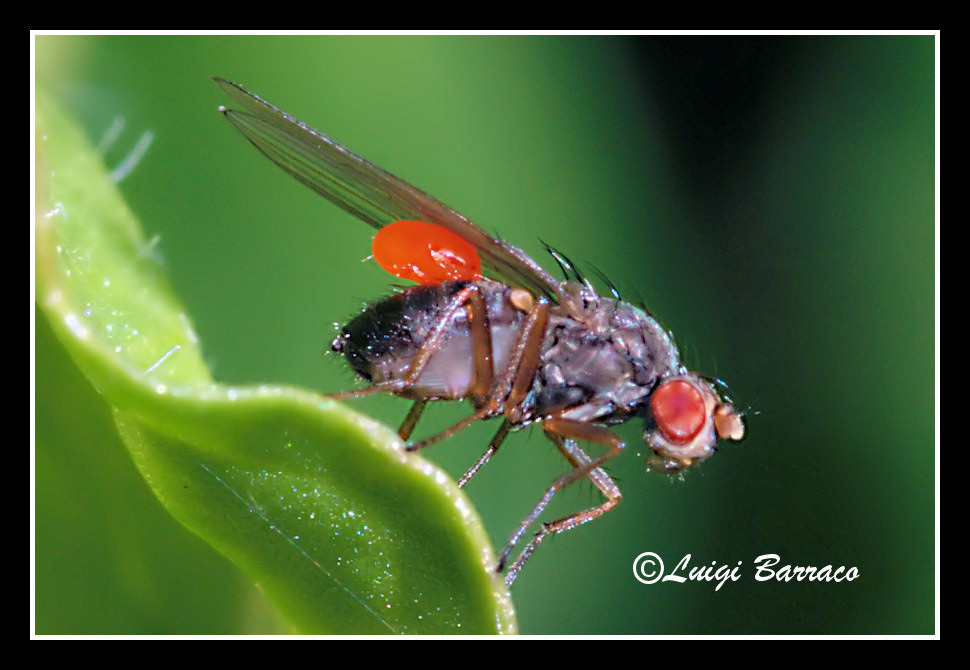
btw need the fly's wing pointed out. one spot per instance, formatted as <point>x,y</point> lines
<point>365,190</point>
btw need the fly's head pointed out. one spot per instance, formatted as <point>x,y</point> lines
<point>687,417</point>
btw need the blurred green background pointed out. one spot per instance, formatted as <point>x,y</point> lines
<point>771,200</point>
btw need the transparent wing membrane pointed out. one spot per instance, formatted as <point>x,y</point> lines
<point>365,190</point>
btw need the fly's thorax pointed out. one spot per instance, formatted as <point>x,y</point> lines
<point>603,365</point>
<point>382,342</point>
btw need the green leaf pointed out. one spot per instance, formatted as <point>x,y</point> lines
<point>341,529</point>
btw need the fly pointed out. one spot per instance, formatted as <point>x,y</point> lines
<point>517,343</point>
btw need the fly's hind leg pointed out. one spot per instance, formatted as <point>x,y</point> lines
<point>509,390</point>
<point>518,379</point>
<point>469,298</point>
<point>563,433</point>
<point>411,420</point>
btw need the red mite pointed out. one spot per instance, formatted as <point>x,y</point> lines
<point>425,253</point>
<point>519,344</point>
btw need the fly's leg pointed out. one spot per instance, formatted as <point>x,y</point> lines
<point>411,420</point>
<point>515,380</point>
<point>527,356</point>
<point>600,479</point>
<point>493,446</point>
<point>481,336</point>
<point>563,433</point>
<point>521,384</point>
<point>470,298</point>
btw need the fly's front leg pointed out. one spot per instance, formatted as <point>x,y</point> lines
<point>563,432</point>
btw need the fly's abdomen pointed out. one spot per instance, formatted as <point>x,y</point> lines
<point>382,342</point>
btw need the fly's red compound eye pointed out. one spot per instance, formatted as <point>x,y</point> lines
<point>679,410</point>
<point>425,253</point>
